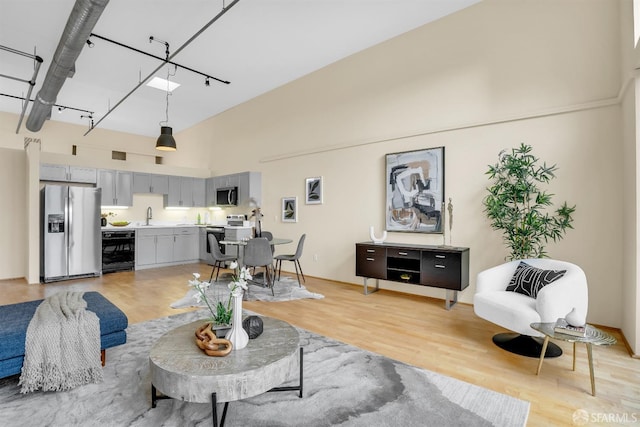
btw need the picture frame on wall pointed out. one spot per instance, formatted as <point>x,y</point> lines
<point>313,191</point>
<point>289,209</point>
<point>415,191</point>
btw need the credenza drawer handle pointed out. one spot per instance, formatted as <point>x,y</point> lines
<point>440,256</point>
<point>371,259</point>
<point>439,266</point>
<point>403,253</point>
<point>371,251</point>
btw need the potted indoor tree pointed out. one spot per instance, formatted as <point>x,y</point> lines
<point>518,207</point>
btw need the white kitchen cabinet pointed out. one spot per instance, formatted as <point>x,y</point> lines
<point>210,191</point>
<point>145,249</point>
<point>186,245</point>
<point>150,183</point>
<point>117,187</point>
<point>164,246</point>
<point>185,191</point>
<point>202,243</point>
<point>154,246</point>
<point>67,173</point>
<point>199,192</point>
<point>249,186</point>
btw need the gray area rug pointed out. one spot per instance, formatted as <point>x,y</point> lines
<point>285,289</point>
<point>343,386</point>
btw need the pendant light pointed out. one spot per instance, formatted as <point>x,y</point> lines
<point>165,141</point>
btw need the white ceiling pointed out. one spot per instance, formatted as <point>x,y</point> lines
<point>257,45</point>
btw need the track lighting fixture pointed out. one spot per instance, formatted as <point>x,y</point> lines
<point>90,117</point>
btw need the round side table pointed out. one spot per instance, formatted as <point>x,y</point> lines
<point>593,336</point>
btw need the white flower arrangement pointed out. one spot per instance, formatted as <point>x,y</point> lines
<point>240,281</point>
<point>221,313</point>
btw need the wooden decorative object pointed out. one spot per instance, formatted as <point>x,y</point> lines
<point>207,341</point>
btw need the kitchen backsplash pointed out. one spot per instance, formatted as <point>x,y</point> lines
<point>138,212</point>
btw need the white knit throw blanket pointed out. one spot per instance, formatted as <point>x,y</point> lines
<point>62,347</point>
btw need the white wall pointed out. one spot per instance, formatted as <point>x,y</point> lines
<point>13,218</point>
<point>475,82</point>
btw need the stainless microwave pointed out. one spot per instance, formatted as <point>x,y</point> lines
<point>227,196</point>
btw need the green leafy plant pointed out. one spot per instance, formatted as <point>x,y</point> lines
<point>517,206</point>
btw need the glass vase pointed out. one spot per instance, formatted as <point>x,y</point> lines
<point>237,335</point>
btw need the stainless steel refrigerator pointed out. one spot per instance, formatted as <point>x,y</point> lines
<point>70,238</point>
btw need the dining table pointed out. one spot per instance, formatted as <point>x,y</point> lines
<point>242,243</point>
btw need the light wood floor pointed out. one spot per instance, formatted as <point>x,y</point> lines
<point>413,329</point>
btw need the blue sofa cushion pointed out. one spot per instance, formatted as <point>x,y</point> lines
<point>15,318</point>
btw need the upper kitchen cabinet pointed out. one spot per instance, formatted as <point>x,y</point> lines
<point>65,173</point>
<point>249,186</point>
<point>199,192</point>
<point>117,187</point>
<point>150,183</point>
<point>185,192</point>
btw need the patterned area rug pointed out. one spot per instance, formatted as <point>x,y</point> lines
<point>343,386</point>
<point>285,289</point>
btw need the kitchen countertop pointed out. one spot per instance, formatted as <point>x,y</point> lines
<point>135,226</point>
<point>140,225</point>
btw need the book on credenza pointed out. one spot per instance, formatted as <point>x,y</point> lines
<point>564,328</point>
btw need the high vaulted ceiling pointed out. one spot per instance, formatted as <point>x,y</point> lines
<point>257,45</point>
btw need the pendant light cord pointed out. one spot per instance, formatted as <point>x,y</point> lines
<point>166,111</point>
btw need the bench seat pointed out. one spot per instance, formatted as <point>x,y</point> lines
<point>15,318</point>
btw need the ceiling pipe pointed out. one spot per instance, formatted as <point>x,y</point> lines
<point>83,18</point>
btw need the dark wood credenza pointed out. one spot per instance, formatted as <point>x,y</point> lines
<point>444,267</point>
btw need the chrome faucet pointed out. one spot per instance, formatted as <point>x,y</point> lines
<point>149,214</point>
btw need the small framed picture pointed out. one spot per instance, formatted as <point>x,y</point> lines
<point>313,191</point>
<point>289,209</point>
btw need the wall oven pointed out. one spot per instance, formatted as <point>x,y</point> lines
<point>118,250</point>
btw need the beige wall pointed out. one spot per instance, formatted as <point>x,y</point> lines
<point>475,82</point>
<point>13,215</point>
<point>630,251</point>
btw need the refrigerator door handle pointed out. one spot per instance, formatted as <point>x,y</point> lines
<point>67,229</point>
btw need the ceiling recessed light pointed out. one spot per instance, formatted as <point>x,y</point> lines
<point>162,84</point>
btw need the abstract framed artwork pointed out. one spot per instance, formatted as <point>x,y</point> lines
<point>415,191</point>
<point>289,209</point>
<point>313,191</point>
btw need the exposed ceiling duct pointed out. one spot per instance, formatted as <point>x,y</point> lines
<point>83,18</point>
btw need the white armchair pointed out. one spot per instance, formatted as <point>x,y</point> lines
<point>516,311</point>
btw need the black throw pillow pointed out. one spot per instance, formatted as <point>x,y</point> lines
<point>529,280</point>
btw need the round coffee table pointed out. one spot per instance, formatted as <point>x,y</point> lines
<point>180,370</point>
<point>593,336</point>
